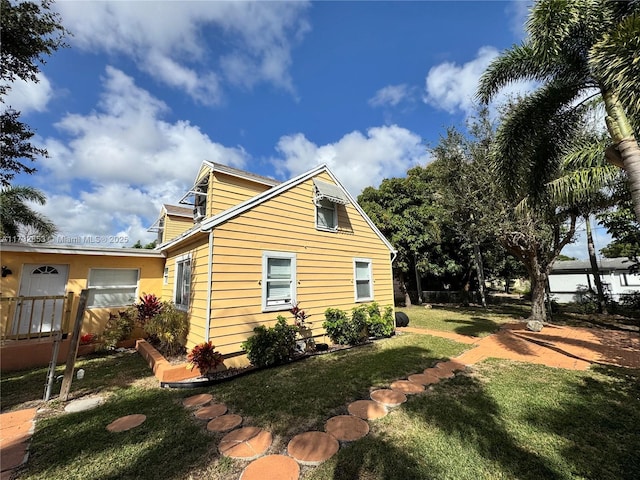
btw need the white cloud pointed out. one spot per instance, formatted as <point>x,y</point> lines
<point>392,95</point>
<point>253,40</point>
<point>518,12</point>
<point>358,160</point>
<point>29,96</point>
<point>452,87</point>
<point>127,161</point>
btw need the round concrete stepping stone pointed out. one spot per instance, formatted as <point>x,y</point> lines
<point>346,428</point>
<point>433,372</point>
<point>245,443</point>
<point>388,397</point>
<point>272,467</point>
<point>312,448</point>
<point>451,366</point>
<point>83,404</point>
<point>123,424</point>
<point>423,379</point>
<point>211,411</point>
<point>407,387</point>
<point>224,423</point>
<point>440,372</point>
<point>367,409</point>
<point>197,400</point>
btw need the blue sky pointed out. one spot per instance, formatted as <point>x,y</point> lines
<point>147,90</point>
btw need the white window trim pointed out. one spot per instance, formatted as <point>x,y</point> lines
<point>112,287</point>
<point>285,306</point>
<point>335,216</point>
<point>180,259</point>
<point>355,280</point>
<point>165,276</point>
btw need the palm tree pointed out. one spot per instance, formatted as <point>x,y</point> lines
<point>15,214</point>
<point>575,49</point>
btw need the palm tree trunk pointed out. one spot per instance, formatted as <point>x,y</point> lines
<point>622,135</point>
<point>602,305</point>
<point>480,272</point>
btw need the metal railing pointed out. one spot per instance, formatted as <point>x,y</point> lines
<point>34,317</point>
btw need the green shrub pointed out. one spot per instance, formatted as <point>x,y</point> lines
<point>273,345</point>
<point>377,325</point>
<point>168,330</point>
<point>118,328</point>
<point>337,325</point>
<point>358,332</point>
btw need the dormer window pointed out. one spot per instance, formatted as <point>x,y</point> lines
<point>327,197</point>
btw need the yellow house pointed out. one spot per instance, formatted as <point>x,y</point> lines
<point>239,251</point>
<point>40,288</point>
<point>246,261</point>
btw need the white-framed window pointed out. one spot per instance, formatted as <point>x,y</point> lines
<point>326,215</point>
<point>629,279</point>
<point>182,282</point>
<point>363,279</point>
<point>165,276</point>
<point>278,281</point>
<point>112,287</point>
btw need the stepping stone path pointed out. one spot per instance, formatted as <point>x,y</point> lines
<point>272,467</point>
<point>312,448</point>
<point>367,409</point>
<point>405,386</point>
<point>224,423</point>
<point>245,443</point>
<point>346,428</point>
<point>197,400</point>
<point>123,424</point>
<point>388,397</point>
<point>308,448</point>
<point>83,404</point>
<point>211,411</point>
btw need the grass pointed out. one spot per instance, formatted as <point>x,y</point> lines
<point>172,444</point>
<point>508,421</point>
<point>473,321</point>
<point>503,421</point>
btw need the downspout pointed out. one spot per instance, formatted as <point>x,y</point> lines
<point>207,325</point>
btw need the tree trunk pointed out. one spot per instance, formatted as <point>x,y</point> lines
<point>403,289</point>
<point>480,272</point>
<point>622,135</point>
<point>538,289</point>
<point>602,305</point>
<point>418,279</point>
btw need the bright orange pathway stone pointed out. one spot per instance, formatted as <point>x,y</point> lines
<point>367,409</point>
<point>405,386</point>
<point>211,411</point>
<point>197,400</point>
<point>346,428</point>
<point>224,423</point>
<point>123,424</point>
<point>439,372</point>
<point>451,366</point>
<point>433,373</point>
<point>312,448</point>
<point>423,379</point>
<point>272,467</point>
<point>245,443</point>
<point>15,432</point>
<point>388,397</point>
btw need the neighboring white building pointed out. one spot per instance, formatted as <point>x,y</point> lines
<point>569,279</point>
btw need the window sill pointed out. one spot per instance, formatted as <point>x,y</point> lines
<point>182,308</point>
<point>326,229</point>
<point>362,300</point>
<point>278,308</point>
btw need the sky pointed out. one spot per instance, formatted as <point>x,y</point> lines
<point>147,90</point>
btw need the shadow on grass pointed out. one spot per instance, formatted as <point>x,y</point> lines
<point>303,395</point>
<point>78,446</point>
<point>475,327</point>
<point>601,423</point>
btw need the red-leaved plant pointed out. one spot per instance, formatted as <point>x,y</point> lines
<point>88,338</point>
<point>149,307</point>
<point>299,315</point>
<point>205,357</point>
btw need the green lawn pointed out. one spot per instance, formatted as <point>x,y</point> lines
<point>503,421</point>
<point>472,321</point>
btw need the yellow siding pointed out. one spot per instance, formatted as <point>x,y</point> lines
<point>150,278</point>
<point>174,226</point>
<point>324,260</point>
<point>227,191</point>
<point>198,250</point>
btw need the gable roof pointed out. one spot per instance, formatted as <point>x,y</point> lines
<point>233,212</point>
<point>236,172</point>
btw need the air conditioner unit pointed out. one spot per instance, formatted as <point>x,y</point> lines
<point>198,213</point>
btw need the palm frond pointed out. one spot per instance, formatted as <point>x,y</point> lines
<point>583,185</point>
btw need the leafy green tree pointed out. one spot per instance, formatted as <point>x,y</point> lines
<point>623,227</point>
<point>30,31</point>
<point>573,47</point>
<point>15,214</point>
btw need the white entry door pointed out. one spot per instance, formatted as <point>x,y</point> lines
<point>40,316</point>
